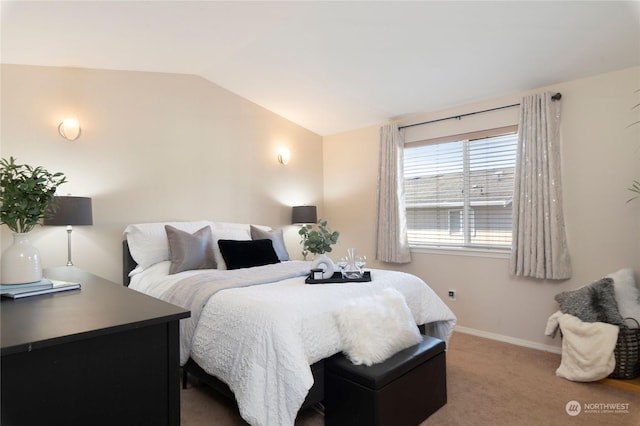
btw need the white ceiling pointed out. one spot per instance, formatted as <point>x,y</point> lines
<point>334,66</point>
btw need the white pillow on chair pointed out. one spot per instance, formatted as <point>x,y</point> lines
<point>627,295</point>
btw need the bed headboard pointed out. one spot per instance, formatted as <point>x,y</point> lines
<point>128,264</point>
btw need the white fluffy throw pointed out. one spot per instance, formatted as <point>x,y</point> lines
<point>373,328</point>
<point>587,349</point>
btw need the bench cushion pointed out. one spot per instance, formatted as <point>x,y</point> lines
<point>378,375</point>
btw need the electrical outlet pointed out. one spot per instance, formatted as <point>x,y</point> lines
<point>452,294</point>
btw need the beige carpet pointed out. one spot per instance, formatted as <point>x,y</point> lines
<point>489,383</point>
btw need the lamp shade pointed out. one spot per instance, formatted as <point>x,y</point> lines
<point>304,214</point>
<point>71,211</point>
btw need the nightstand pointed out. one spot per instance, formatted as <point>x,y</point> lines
<point>102,355</point>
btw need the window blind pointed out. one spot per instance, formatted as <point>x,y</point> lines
<point>459,193</point>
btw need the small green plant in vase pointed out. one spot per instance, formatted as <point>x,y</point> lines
<point>319,240</point>
<point>26,196</point>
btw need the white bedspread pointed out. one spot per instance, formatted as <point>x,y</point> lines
<point>192,291</point>
<point>261,340</point>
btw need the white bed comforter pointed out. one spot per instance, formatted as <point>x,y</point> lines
<point>261,339</point>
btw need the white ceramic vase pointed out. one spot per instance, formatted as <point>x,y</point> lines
<point>21,262</point>
<point>322,261</point>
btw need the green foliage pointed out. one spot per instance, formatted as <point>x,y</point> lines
<point>26,194</point>
<point>318,241</point>
<point>635,188</point>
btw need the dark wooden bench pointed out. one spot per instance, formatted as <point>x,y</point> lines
<point>403,390</point>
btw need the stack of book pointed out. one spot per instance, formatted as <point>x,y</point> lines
<point>44,286</point>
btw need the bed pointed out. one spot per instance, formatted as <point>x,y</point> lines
<point>258,332</point>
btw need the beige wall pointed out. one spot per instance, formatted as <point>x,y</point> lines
<point>601,157</point>
<point>160,147</point>
<point>154,147</point>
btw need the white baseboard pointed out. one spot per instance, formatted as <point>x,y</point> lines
<point>507,339</point>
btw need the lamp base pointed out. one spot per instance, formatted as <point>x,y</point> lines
<point>69,229</point>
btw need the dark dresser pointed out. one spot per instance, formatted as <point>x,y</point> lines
<point>102,355</point>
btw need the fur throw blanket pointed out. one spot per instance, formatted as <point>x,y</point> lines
<point>373,328</point>
<point>587,347</point>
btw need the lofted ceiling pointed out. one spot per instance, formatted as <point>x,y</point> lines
<point>334,66</point>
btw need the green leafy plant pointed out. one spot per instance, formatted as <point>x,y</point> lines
<point>26,194</point>
<point>317,241</point>
<point>635,188</point>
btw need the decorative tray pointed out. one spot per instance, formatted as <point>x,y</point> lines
<point>337,278</point>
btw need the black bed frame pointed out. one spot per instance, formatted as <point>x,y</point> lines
<point>315,395</point>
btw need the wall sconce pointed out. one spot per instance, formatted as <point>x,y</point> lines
<point>283,156</point>
<point>69,129</point>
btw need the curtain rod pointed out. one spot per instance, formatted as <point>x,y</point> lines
<point>555,97</point>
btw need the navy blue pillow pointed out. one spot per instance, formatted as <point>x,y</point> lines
<point>245,254</point>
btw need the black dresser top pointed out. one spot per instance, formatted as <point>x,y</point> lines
<point>99,307</point>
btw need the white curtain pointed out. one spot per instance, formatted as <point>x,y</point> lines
<point>391,237</point>
<point>539,247</point>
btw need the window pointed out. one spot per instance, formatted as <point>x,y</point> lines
<point>456,222</point>
<point>459,193</point>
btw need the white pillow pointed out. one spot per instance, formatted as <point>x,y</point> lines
<point>148,242</point>
<point>627,295</point>
<point>374,328</point>
<point>227,231</point>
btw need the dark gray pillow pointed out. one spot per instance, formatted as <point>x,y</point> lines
<point>276,237</point>
<point>188,252</point>
<point>593,303</point>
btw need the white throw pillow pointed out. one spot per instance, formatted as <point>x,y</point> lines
<point>374,328</point>
<point>627,295</point>
<point>227,231</point>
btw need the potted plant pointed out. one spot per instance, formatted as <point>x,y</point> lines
<point>319,241</point>
<point>26,196</point>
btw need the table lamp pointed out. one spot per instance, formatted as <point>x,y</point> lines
<point>304,214</point>
<point>70,211</point>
